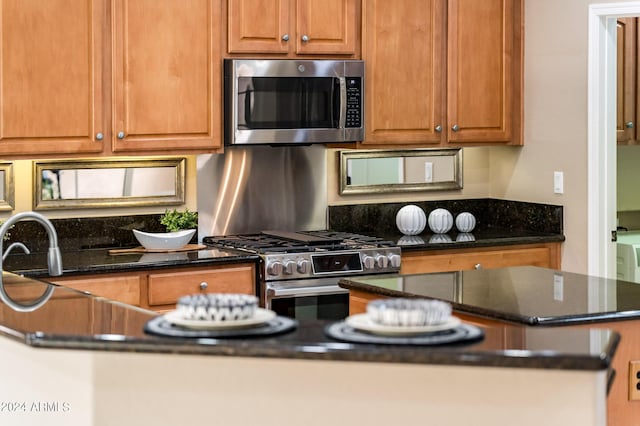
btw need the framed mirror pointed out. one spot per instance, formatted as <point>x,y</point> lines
<point>68,184</point>
<point>7,200</point>
<point>377,171</point>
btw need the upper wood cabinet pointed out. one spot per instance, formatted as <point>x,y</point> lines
<point>52,68</point>
<point>626,78</point>
<point>166,75</point>
<point>443,73</point>
<point>294,27</point>
<point>75,82</point>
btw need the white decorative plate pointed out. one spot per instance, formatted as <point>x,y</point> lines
<point>260,316</point>
<point>362,322</point>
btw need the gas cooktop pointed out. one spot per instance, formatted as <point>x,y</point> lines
<point>268,242</point>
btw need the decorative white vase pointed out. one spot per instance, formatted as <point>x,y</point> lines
<point>411,220</point>
<point>440,221</point>
<point>465,222</point>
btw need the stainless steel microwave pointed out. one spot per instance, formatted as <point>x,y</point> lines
<point>292,102</point>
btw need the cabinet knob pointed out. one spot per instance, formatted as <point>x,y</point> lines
<point>285,37</point>
<point>438,128</point>
<point>478,266</point>
<point>629,124</point>
<point>99,136</point>
<point>305,38</point>
<point>120,135</point>
<point>204,285</point>
<point>455,127</point>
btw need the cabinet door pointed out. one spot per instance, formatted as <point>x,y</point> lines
<point>51,99</point>
<point>123,288</point>
<point>258,26</point>
<point>404,57</point>
<point>166,75</point>
<point>626,80</point>
<point>327,27</point>
<point>483,48</point>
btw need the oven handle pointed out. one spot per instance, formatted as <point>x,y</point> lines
<point>305,291</point>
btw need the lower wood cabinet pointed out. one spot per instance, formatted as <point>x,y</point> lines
<point>545,255</point>
<point>159,289</point>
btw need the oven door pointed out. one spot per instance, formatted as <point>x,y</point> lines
<point>308,299</point>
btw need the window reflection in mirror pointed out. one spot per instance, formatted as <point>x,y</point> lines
<point>112,183</point>
<point>400,171</point>
<point>6,186</point>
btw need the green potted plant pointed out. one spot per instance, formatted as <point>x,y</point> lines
<point>180,225</point>
<point>176,220</point>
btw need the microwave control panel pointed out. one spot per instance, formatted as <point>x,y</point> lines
<point>354,102</point>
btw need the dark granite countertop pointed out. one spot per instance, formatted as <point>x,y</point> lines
<point>525,295</point>
<point>487,237</point>
<point>96,261</point>
<point>74,320</point>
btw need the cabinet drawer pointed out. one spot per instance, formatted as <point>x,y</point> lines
<point>124,289</point>
<point>165,289</point>
<point>544,255</point>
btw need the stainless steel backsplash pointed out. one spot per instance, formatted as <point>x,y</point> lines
<point>257,188</point>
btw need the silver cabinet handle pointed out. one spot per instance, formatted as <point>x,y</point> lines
<point>285,37</point>
<point>455,128</point>
<point>120,135</point>
<point>478,266</point>
<point>99,136</point>
<point>204,285</point>
<point>438,128</point>
<point>629,124</point>
<point>305,38</point>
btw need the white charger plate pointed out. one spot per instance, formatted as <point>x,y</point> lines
<point>364,323</point>
<point>260,316</point>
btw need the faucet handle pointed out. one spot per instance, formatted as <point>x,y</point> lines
<point>15,245</point>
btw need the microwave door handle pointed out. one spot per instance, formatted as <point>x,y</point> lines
<point>343,103</point>
<point>248,98</point>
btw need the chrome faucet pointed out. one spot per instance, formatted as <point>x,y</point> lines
<point>54,258</point>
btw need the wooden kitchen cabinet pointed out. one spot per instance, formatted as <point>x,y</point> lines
<point>627,79</point>
<point>106,77</point>
<point>443,72</point>
<point>159,289</point>
<point>52,88</point>
<point>546,255</point>
<point>294,27</point>
<point>165,288</point>
<point>166,76</point>
<point>124,288</point>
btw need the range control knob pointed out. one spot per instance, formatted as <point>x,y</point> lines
<point>382,261</point>
<point>288,267</point>
<point>274,268</point>
<point>394,260</point>
<point>368,262</point>
<point>304,266</point>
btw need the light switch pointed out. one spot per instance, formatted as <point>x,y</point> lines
<point>428,172</point>
<point>558,182</point>
<point>558,287</point>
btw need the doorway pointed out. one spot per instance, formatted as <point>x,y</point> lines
<point>602,134</point>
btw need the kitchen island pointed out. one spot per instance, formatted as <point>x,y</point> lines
<point>80,359</point>
<point>536,298</point>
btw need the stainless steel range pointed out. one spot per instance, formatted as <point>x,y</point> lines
<point>299,271</point>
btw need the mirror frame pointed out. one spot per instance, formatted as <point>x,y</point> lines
<point>8,202</point>
<point>160,200</point>
<point>456,183</point>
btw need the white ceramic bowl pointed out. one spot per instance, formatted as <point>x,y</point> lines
<point>164,240</point>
